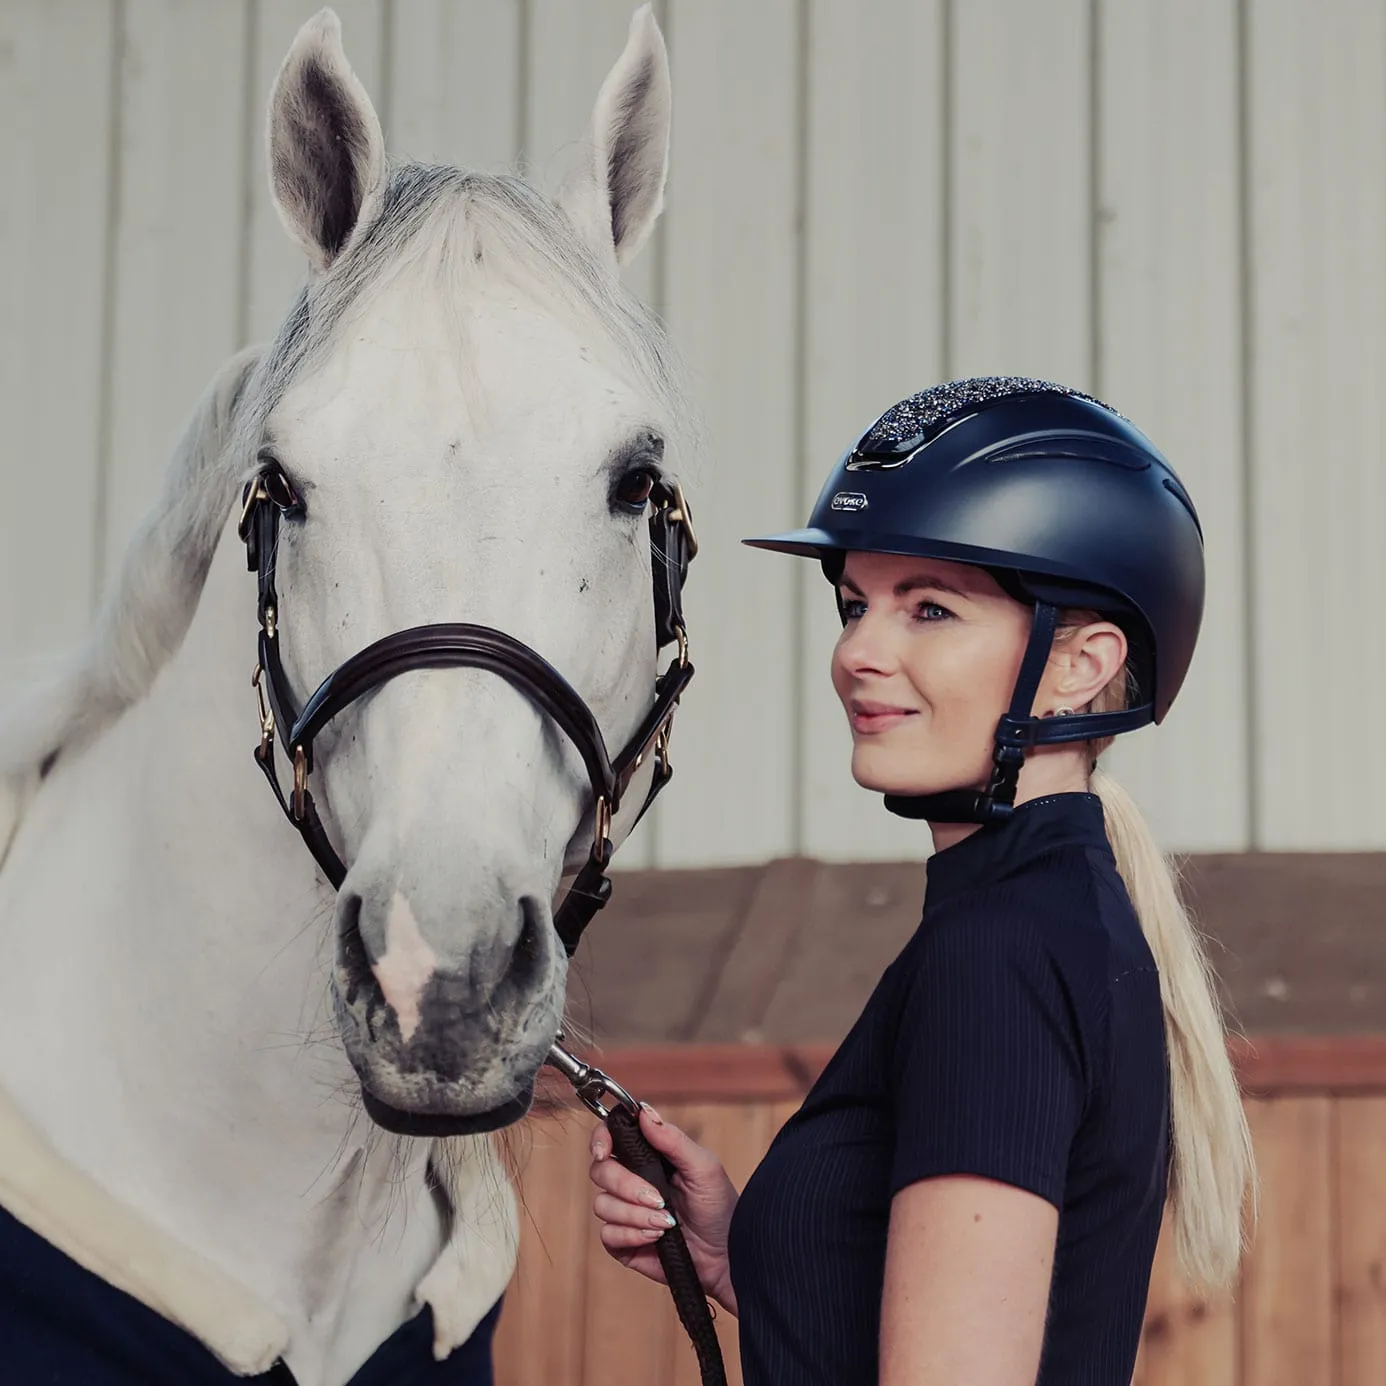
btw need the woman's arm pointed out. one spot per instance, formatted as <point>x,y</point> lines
<point>968,1266</point>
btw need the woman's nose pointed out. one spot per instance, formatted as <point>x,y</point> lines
<point>865,646</point>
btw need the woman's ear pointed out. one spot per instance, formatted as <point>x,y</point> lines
<point>1084,661</point>
<point>326,151</point>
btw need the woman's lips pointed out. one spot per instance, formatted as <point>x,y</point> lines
<point>869,718</point>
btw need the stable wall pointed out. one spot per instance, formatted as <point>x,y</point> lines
<point>1177,204</point>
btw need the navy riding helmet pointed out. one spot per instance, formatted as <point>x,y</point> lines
<point>1065,502</point>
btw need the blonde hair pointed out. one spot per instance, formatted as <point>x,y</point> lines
<point>1212,1166</point>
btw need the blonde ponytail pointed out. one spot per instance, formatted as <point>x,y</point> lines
<point>1212,1166</point>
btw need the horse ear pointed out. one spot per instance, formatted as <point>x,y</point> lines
<point>326,152</point>
<point>616,197</point>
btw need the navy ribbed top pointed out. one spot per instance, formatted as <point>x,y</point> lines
<point>1019,1037</point>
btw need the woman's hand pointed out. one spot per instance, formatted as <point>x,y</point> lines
<point>634,1218</point>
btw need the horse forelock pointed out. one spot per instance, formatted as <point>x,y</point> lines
<point>432,220</point>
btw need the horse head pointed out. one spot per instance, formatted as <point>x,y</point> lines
<point>474,420</point>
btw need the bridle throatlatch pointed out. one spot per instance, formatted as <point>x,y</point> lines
<point>268,499</point>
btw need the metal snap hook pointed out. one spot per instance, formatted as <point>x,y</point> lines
<point>590,1084</point>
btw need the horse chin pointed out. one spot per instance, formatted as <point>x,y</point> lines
<point>411,1102</point>
<point>435,1125</point>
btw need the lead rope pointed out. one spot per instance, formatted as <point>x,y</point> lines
<point>622,1119</point>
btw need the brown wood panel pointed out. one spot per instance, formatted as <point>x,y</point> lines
<point>1360,1139</point>
<point>753,968</point>
<point>1266,1065</point>
<point>1270,1065</point>
<point>1298,941</point>
<point>540,1334</point>
<point>1311,1310</point>
<point>1189,1339</point>
<point>1288,1318</point>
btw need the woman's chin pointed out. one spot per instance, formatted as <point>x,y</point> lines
<point>875,769</point>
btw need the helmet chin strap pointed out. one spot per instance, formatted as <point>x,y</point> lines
<point>1016,732</point>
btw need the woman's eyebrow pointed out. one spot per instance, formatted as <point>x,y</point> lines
<point>903,588</point>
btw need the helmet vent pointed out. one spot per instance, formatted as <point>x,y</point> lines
<point>1182,496</point>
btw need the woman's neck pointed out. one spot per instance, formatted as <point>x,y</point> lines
<point>1047,770</point>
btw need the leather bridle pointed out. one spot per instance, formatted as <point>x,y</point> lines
<point>270,498</point>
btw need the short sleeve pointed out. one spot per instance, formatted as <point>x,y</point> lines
<point>989,1075</point>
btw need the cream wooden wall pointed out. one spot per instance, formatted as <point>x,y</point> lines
<point>1178,204</point>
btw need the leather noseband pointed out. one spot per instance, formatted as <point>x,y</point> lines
<point>269,498</point>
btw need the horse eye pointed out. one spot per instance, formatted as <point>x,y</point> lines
<point>281,491</point>
<point>635,487</point>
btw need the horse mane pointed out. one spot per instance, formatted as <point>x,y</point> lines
<point>460,221</point>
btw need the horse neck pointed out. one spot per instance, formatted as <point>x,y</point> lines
<point>170,947</point>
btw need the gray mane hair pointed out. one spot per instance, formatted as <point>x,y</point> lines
<point>458,222</point>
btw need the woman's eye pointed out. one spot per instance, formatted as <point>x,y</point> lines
<point>635,488</point>
<point>931,611</point>
<point>852,609</point>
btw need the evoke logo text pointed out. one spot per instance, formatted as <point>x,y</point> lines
<point>849,500</point>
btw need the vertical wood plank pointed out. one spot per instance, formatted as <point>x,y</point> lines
<point>455,80</point>
<point>275,265</point>
<point>1169,325</point>
<point>56,65</point>
<point>873,305</point>
<point>730,270</point>
<point>541,1331</point>
<point>1361,1230</point>
<point>1187,1339</point>
<point>178,236</point>
<point>1287,1288</point>
<point>1317,136</point>
<point>1020,191</point>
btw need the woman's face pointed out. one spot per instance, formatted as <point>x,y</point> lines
<point>925,667</point>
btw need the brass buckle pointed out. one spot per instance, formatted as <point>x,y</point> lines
<point>300,781</point>
<point>266,712</point>
<point>601,831</point>
<point>681,636</point>
<point>662,740</point>
<point>680,514</point>
<point>254,496</point>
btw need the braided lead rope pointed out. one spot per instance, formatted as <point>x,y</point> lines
<point>638,1156</point>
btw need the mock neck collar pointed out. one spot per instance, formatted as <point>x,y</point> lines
<point>1035,827</point>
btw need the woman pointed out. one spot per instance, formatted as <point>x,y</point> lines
<point>973,1189</point>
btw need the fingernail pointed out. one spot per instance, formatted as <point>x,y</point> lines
<point>651,1198</point>
<point>597,1152</point>
<point>665,1220</point>
<point>654,1115</point>
<point>651,1234</point>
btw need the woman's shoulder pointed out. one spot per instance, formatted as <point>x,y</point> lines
<point>1077,938</point>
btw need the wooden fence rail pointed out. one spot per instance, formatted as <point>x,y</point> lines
<point>1310,1309</point>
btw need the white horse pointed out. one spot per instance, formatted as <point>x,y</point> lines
<point>473,409</point>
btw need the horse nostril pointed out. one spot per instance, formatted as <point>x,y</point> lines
<point>356,964</point>
<point>528,957</point>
